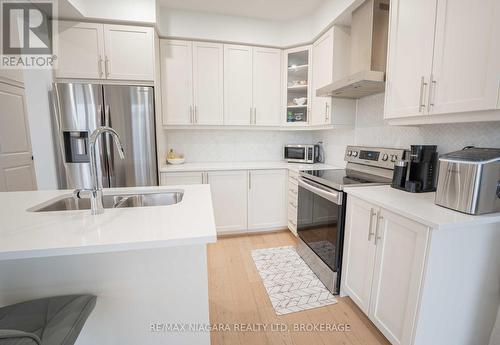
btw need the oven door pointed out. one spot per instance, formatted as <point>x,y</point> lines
<point>320,226</point>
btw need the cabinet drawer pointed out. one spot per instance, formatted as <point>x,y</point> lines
<point>292,200</point>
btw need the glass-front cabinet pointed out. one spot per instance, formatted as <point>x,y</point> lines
<point>297,95</point>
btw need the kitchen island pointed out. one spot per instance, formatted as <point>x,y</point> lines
<point>146,265</point>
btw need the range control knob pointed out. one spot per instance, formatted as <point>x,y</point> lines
<point>394,158</point>
<point>349,153</point>
<point>385,157</point>
<point>355,153</point>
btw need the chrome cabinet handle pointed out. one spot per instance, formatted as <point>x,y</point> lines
<point>106,65</point>
<point>251,115</point>
<point>432,91</point>
<point>377,236</point>
<point>249,180</point>
<point>421,103</point>
<point>191,114</point>
<point>254,116</point>
<point>99,65</point>
<point>370,232</point>
<point>195,114</point>
<point>326,112</point>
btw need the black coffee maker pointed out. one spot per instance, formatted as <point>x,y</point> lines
<point>418,173</point>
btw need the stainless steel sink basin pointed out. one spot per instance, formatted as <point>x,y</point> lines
<point>70,203</point>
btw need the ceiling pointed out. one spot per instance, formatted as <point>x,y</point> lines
<point>262,9</point>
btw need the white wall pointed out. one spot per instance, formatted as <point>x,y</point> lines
<point>37,86</point>
<point>231,145</point>
<point>372,131</point>
<point>209,26</point>
<point>142,11</point>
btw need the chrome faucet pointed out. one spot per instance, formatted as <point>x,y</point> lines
<point>95,194</point>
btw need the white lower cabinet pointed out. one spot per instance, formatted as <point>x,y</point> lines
<point>229,198</point>
<point>180,178</point>
<point>384,258</point>
<point>243,200</point>
<point>267,199</point>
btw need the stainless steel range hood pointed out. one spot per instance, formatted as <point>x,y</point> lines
<point>369,29</point>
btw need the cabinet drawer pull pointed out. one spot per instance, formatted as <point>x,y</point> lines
<point>377,236</point>
<point>99,65</point>
<point>421,104</point>
<point>432,91</point>
<point>106,65</point>
<point>370,233</point>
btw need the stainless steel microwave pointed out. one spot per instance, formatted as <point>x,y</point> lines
<point>300,153</point>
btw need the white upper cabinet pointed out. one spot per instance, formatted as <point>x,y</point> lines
<point>466,72</point>
<point>208,82</point>
<point>129,52</point>
<point>409,64</point>
<point>238,98</point>
<point>322,67</point>
<point>81,50</point>
<point>176,82</point>
<point>444,58</point>
<point>192,77</point>
<point>266,86</point>
<point>267,207</point>
<point>330,62</point>
<point>102,51</point>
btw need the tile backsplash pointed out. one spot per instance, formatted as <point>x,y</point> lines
<point>232,145</point>
<point>371,131</point>
<point>256,145</point>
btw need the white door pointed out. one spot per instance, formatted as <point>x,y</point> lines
<point>267,197</point>
<point>181,178</point>
<point>208,80</point>
<point>17,172</point>
<point>409,63</point>
<point>399,265</point>
<point>322,67</point>
<point>12,76</point>
<point>81,50</point>
<point>229,198</point>
<point>266,86</point>
<point>129,52</point>
<point>237,85</point>
<point>466,68</point>
<point>359,251</point>
<point>176,82</point>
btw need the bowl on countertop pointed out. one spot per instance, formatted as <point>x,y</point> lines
<point>176,161</point>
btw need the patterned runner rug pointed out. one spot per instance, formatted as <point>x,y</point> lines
<point>289,282</point>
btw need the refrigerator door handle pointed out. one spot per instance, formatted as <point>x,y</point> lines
<point>108,148</point>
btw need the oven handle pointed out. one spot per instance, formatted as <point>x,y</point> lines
<point>320,190</point>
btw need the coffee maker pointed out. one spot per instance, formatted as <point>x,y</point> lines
<point>418,173</point>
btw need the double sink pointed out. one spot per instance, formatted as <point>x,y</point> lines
<point>71,203</point>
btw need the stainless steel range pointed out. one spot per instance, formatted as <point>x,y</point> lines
<point>322,204</point>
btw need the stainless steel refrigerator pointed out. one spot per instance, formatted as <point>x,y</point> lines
<point>129,110</point>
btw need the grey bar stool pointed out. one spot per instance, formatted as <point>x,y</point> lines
<point>46,321</point>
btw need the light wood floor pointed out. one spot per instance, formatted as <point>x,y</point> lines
<point>237,296</point>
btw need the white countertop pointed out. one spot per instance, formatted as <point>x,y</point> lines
<point>211,166</point>
<point>419,207</point>
<point>26,234</point>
